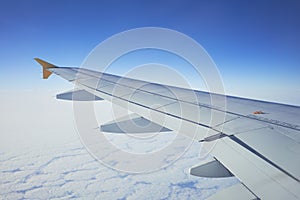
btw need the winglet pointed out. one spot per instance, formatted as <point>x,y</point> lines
<point>45,65</point>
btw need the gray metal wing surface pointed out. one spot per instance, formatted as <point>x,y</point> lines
<point>256,141</point>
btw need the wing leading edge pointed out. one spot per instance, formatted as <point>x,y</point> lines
<point>259,142</point>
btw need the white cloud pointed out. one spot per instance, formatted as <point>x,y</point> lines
<point>42,157</point>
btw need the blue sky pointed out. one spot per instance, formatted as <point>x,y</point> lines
<point>255,44</point>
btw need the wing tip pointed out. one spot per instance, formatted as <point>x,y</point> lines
<point>45,65</point>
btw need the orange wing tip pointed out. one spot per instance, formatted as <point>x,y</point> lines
<point>45,65</point>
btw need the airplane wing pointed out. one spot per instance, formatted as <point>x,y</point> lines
<point>257,142</point>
